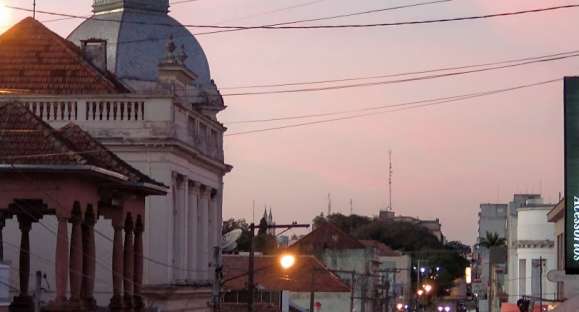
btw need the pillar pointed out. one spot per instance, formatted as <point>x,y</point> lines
<point>88,262</point>
<point>23,302</point>
<point>212,228</point>
<point>117,299</point>
<point>76,256</point>
<point>129,261</point>
<point>61,263</point>
<point>192,216</point>
<point>138,303</point>
<point>2,224</point>
<point>204,233</point>
<point>179,224</point>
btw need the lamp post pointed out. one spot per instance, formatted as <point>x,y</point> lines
<point>251,271</point>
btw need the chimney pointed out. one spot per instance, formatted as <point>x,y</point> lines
<point>95,51</point>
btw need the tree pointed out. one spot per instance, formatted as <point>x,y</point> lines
<point>459,247</point>
<point>491,240</point>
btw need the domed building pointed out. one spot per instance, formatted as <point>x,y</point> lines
<point>139,82</point>
<point>135,33</point>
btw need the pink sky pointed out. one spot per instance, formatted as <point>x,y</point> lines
<point>447,159</point>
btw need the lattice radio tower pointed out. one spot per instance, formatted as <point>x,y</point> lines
<point>390,180</point>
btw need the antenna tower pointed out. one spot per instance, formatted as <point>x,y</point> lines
<point>329,204</point>
<point>390,180</point>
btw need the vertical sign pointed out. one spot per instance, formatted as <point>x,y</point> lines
<point>571,120</point>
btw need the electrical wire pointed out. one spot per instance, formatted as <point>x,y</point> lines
<point>391,111</point>
<point>396,81</point>
<point>371,25</point>
<point>295,6</point>
<point>333,17</point>
<point>425,71</point>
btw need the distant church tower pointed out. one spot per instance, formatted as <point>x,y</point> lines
<point>100,6</point>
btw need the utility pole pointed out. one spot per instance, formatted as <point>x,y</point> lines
<point>37,291</point>
<point>251,285</point>
<point>312,292</point>
<point>217,279</point>
<point>353,291</point>
<point>541,283</point>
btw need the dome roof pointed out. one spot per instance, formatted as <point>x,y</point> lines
<point>137,42</point>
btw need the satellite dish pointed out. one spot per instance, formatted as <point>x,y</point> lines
<point>230,240</point>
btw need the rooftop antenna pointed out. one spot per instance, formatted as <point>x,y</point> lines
<point>390,180</point>
<point>34,9</point>
<point>351,207</point>
<point>329,204</point>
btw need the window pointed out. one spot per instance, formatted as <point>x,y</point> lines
<point>203,129</point>
<point>192,127</point>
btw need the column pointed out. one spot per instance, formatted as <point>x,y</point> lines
<point>203,234</point>
<point>138,303</point>
<point>129,261</point>
<point>61,263</point>
<point>117,299</point>
<point>2,224</point>
<point>211,239</point>
<point>75,257</point>
<point>23,302</point>
<point>179,219</point>
<point>192,232</point>
<point>88,262</point>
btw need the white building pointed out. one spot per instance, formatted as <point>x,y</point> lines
<point>165,125</point>
<point>533,252</point>
<point>492,218</point>
<point>567,285</point>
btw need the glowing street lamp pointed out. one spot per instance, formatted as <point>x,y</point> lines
<point>420,292</point>
<point>427,287</point>
<point>399,306</point>
<point>287,261</point>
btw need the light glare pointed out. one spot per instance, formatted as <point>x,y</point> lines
<point>287,261</point>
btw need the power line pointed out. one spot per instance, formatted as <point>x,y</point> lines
<point>409,106</point>
<point>283,27</point>
<point>333,17</point>
<point>378,83</point>
<point>427,71</point>
<point>287,8</point>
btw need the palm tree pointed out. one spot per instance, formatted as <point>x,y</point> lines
<point>491,241</point>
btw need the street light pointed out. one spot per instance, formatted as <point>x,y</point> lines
<point>287,261</point>
<point>420,292</point>
<point>399,306</point>
<point>427,287</point>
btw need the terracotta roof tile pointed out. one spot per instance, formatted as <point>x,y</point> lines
<point>33,59</point>
<point>98,155</point>
<point>270,276</point>
<point>27,140</point>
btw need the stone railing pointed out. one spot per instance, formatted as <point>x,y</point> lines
<point>89,110</point>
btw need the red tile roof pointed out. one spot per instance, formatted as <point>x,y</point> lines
<point>306,275</point>
<point>33,59</point>
<point>27,140</point>
<point>381,249</point>
<point>326,236</point>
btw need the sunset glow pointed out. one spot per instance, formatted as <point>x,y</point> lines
<point>4,17</point>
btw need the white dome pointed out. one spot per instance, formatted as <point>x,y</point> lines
<point>136,42</point>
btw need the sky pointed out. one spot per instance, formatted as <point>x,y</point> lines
<point>447,159</point>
